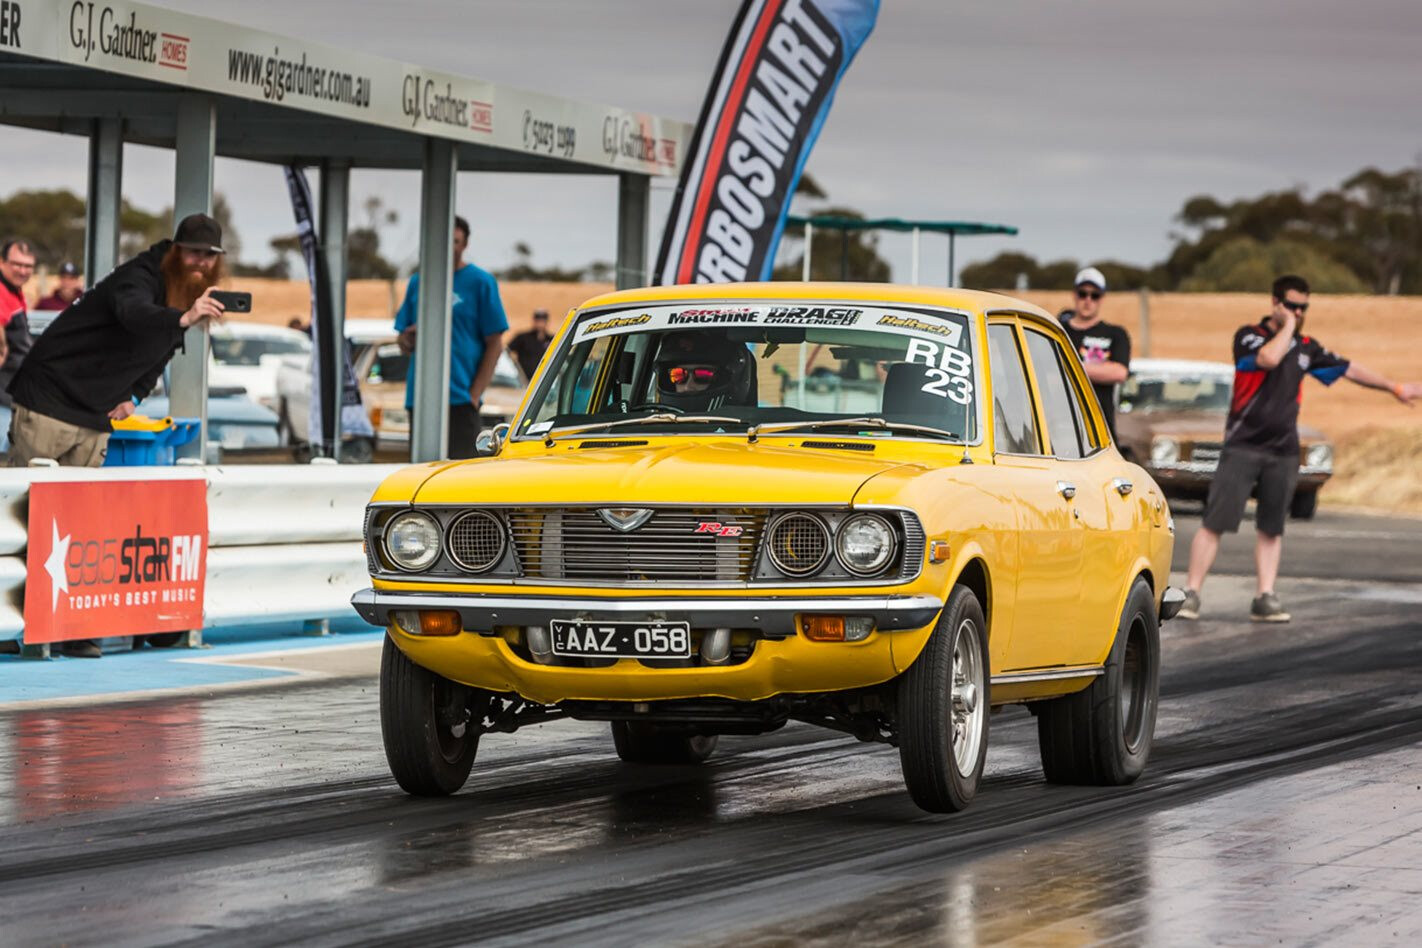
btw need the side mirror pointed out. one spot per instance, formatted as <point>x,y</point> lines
<point>490,440</point>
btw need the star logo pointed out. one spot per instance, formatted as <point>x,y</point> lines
<point>54,566</point>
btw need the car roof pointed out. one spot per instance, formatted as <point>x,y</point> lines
<point>366,331</point>
<point>889,293</point>
<point>1169,367</point>
<point>241,330</point>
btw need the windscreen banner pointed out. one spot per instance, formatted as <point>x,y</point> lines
<point>326,427</point>
<point>772,90</point>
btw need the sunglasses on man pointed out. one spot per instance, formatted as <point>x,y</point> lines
<point>1083,294</point>
<point>1299,308</point>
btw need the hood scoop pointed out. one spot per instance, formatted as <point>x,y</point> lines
<point>582,446</point>
<point>839,445</point>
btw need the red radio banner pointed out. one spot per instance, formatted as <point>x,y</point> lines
<point>115,558</point>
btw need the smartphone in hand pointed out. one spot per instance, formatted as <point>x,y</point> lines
<point>232,301</point>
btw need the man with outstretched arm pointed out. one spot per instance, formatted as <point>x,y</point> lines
<point>1261,447</point>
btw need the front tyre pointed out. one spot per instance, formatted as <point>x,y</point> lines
<point>1102,736</point>
<point>943,709</point>
<point>430,725</point>
<point>639,743</point>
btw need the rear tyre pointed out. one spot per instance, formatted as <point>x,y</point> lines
<point>1304,505</point>
<point>429,724</point>
<point>1102,736</point>
<point>943,709</point>
<point>639,743</point>
<point>163,639</point>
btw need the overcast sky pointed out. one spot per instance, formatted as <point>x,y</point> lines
<point>1086,124</point>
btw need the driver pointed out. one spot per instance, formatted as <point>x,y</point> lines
<point>699,371</point>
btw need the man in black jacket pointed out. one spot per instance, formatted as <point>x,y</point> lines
<point>105,352</point>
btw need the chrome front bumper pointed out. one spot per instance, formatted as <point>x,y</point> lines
<point>774,617</point>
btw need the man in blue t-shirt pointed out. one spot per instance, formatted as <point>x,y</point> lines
<point>476,337</point>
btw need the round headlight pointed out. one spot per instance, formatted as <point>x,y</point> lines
<point>1164,451</point>
<point>1320,455</point>
<point>865,544</point>
<point>412,540</point>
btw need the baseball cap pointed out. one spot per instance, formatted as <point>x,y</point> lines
<point>199,232</point>
<point>1090,275</point>
<point>67,269</point>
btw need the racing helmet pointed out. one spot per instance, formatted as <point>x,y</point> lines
<point>699,370</point>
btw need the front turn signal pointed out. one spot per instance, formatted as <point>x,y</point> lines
<point>823,628</point>
<point>440,622</point>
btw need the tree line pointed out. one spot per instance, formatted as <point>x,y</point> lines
<point>1364,236</point>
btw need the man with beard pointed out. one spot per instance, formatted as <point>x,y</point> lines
<point>106,351</point>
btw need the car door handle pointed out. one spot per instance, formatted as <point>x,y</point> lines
<point>1067,490</point>
<point>1123,486</point>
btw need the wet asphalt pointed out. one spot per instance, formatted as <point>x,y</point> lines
<point>1283,803</point>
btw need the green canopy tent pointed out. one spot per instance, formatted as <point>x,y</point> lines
<point>846,224</point>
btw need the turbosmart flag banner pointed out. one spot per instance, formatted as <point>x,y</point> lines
<point>772,90</point>
<point>115,558</point>
<point>323,429</point>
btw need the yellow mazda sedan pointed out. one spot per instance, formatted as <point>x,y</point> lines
<point>880,509</point>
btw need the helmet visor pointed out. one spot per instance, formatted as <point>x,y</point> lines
<point>670,375</point>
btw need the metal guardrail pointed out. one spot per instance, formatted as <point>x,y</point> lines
<point>284,541</point>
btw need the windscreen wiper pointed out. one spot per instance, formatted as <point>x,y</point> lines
<point>663,417</point>
<point>755,431</point>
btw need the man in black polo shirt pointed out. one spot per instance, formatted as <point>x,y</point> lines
<point>1261,447</point>
<point>1105,348</point>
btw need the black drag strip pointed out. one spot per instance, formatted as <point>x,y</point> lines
<point>269,818</point>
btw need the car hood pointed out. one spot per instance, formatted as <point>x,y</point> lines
<point>1189,426</point>
<point>666,471</point>
<point>1192,425</point>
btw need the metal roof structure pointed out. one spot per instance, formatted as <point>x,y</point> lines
<point>846,224</point>
<point>121,72</point>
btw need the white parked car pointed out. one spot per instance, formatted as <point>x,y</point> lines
<point>380,368</point>
<point>249,356</point>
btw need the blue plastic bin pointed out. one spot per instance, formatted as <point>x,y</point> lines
<point>134,446</point>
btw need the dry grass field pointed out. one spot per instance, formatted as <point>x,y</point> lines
<point>1379,441</point>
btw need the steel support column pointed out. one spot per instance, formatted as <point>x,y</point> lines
<point>430,425</point>
<point>335,212</point>
<point>633,191</point>
<point>105,199</point>
<point>192,194</point>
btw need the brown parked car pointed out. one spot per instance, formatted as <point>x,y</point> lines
<point>1171,421</point>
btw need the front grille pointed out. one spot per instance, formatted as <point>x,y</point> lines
<point>1205,451</point>
<point>674,545</point>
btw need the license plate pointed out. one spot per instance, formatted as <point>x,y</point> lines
<point>621,639</point>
